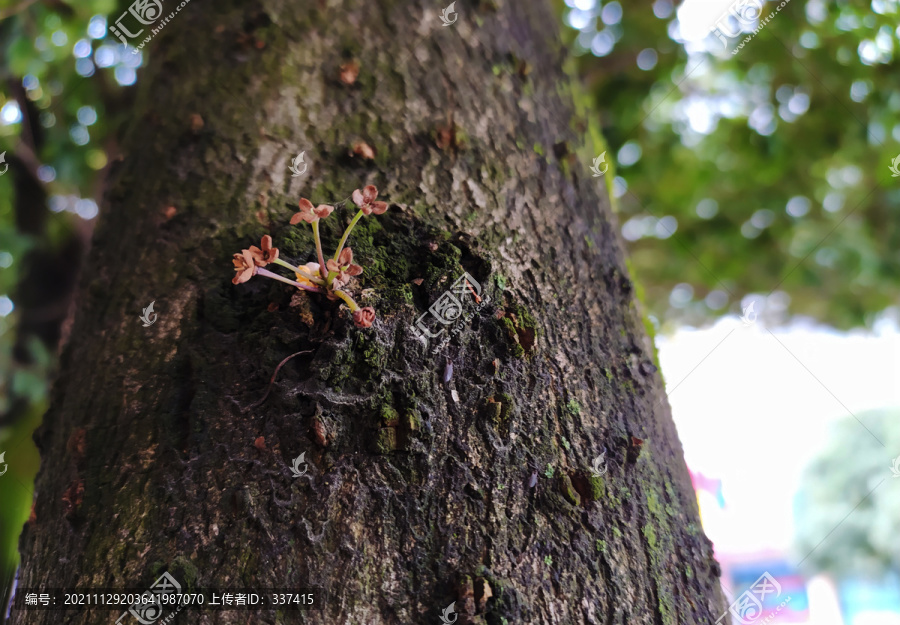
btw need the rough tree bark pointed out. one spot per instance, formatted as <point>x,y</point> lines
<point>412,500</point>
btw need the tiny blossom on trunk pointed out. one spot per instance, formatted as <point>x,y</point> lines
<point>325,277</point>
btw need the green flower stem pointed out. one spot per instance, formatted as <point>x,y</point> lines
<point>347,300</point>
<point>315,227</point>
<point>287,265</point>
<point>340,247</point>
<point>275,276</point>
<point>301,270</point>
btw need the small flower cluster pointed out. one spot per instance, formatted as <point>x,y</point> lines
<point>327,278</point>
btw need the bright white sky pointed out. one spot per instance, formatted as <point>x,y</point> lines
<point>753,416</point>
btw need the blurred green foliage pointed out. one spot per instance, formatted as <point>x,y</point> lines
<point>848,495</point>
<point>766,170</point>
<point>21,460</point>
<point>59,91</point>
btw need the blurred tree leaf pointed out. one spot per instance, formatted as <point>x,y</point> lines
<point>766,170</point>
<point>62,82</point>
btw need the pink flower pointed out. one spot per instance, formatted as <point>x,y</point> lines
<point>340,279</point>
<point>344,268</point>
<point>364,317</point>
<point>309,214</point>
<point>345,260</point>
<point>266,255</point>
<point>245,267</point>
<point>365,199</point>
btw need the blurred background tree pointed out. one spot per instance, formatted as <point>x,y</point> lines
<point>61,95</point>
<point>730,170</point>
<point>734,168</point>
<point>850,474</point>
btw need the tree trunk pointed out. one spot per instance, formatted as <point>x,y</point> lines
<point>419,492</point>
